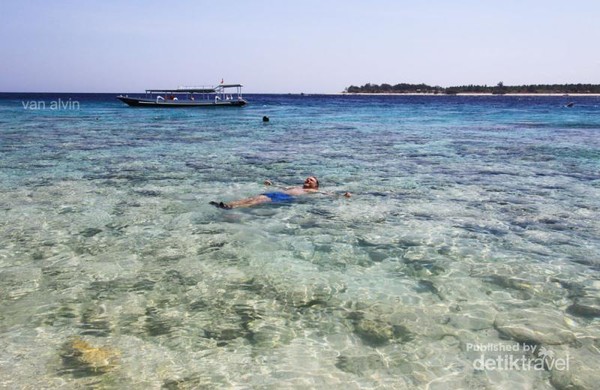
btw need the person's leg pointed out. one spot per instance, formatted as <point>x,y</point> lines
<point>248,202</point>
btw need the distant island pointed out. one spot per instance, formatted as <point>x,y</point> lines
<point>499,89</point>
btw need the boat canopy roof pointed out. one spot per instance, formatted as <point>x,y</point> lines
<point>216,89</point>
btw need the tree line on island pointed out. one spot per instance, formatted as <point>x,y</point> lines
<point>498,89</point>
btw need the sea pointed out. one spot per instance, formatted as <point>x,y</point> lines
<point>467,256</point>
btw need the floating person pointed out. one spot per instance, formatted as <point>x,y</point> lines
<point>310,186</point>
<point>266,118</point>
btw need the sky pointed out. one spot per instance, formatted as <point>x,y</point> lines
<point>278,46</point>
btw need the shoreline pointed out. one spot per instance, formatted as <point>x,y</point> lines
<point>467,94</point>
<point>335,94</point>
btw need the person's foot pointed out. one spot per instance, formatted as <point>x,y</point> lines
<point>220,205</point>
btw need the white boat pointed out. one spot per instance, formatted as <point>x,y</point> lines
<point>219,96</point>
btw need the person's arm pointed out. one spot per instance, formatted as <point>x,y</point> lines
<point>270,183</point>
<point>345,194</point>
<point>329,193</point>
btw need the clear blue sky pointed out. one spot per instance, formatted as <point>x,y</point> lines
<point>294,46</point>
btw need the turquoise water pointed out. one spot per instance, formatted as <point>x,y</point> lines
<point>474,222</point>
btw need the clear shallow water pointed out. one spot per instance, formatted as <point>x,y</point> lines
<point>473,221</point>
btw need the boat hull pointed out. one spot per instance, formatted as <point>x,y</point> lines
<point>139,102</point>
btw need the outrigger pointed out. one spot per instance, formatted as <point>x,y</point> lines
<point>189,97</point>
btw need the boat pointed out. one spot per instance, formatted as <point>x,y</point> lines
<point>206,96</point>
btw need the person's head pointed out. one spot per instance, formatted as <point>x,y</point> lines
<point>311,182</point>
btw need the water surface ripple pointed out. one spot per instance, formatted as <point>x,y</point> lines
<point>474,222</point>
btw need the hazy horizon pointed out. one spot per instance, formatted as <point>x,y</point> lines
<point>310,47</point>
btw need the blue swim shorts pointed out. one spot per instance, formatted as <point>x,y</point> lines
<point>279,196</point>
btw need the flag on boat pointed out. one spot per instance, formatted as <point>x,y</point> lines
<point>222,81</point>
